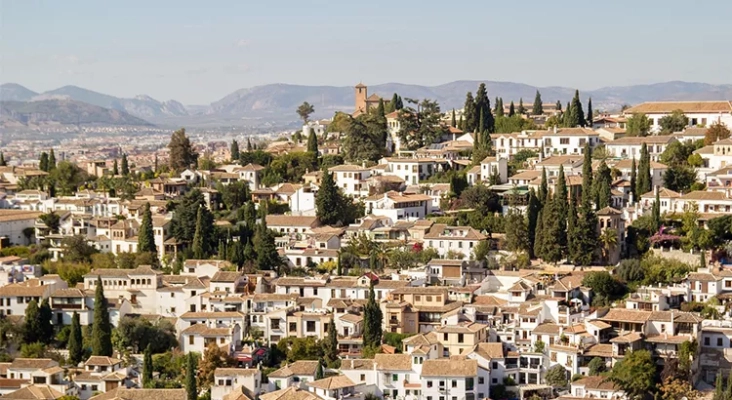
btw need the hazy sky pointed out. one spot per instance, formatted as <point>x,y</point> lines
<point>197,52</point>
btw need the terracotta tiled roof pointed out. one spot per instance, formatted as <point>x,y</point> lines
<point>450,368</point>
<point>297,368</point>
<point>626,315</point>
<point>666,107</point>
<point>332,383</point>
<point>393,362</point>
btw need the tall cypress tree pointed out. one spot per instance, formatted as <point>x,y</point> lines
<point>554,232</point>
<point>372,321</point>
<point>400,103</point>
<point>461,125</point>
<point>313,142</point>
<point>43,162</point>
<point>643,180</point>
<point>538,107</point>
<point>381,109</point>
<point>496,104</point>
<point>532,215</point>
<point>125,167</point>
<point>499,107</point>
<point>633,180</point>
<point>572,229</point>
<point>51,160</point>
<point>567,117</point>
<point>155,163</point>
<point>234,150</point>
<point>561,199</point>
<point>391,107</point>
<point>45,314</point>
<point>3,163</point>
<point>249,145</point>
<point>577,116</point>
<point>471,118</point>
<point>656,212</point>
<point>521,110</point>
<point>590,118</point>
<point>102,328</point>
<point>115,168</point>
<point>539,235</point>
<point>147,367</point>
<point>145,236</point>
<point>329,203</point>
<point>587,171</point>
<point>453,122</point>
<point>319,373</point>
<point>331,344</point>
<point>543,188</point>
<point>483,104</point>
<point>199,248</point>
<point>32,329</point>
<point>191,367</point>
<point>586,237</point>
<point>75,345</point>
<point>603,190</point>
<point>559,106</point>
<point>511,110</point>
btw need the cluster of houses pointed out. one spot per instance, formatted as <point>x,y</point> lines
<point>468,330</point>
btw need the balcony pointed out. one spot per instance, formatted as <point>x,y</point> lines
<point>393,321</point>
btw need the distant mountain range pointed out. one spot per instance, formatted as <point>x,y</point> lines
<point>276,103</point>
<point>15,114</point>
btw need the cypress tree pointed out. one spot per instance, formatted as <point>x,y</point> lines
<point>554,232</point>
<point>572,229</point>
<point>145,236</point>
<point>559,106</point>
<point>234,150</point>
<point>51,160</point>
<point>538,107</point>
<point>521,109</point>
<point>372,321</point>
<point>75,340</point>
<point>339,266</point>
<point>313,142</point>
<point>102,328</point>
<point>249,145</point>
<point>329,204</point>
<point>567,117</point>
<point>43,162</point>
<point>221,252</point>
<point>483,104</point>
<point>702,259</point>
<point>499,107</point>
<point>586,237</point>
<point>643,180</point>
<point>495,106</point>
<point>539,235</point>
<point>633,180</point>
<point>462,124</point>
<point>147,367</point>
<point>319,374</point>
<point>603,183</point>
<point>45,315</point>
<point>381,109</point>
<point>155,163</point>
<point>562,194</point>
<point>393,103</point>
<point>32,329</point>
<point>3,163</point>
<point>577,116</point>
<point>543,188</point>
<point>470,113</point>
<point>331,343</point>
<point>511,110</point>
<point>656,213</point>
<point>587,171</point>
<point>560,210</point>
<point>115,168</point>
<point>399,104</point>
<point>125,167</point>
<point>191,388</point>
<point>453,122</point>
<point>532,215</point>
<point>590,118</point>
<point>199,248</point>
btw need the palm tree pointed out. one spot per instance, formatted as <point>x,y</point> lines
<point>609,240</point>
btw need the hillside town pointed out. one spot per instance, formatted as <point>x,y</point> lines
<point>528,250</point>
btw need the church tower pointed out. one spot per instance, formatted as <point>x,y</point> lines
<point>361,93</point>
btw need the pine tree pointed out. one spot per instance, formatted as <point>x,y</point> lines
<point>331,344</point>
<point>32,329</point>
<point>469,113</point>
<point>543,188</point>
<point>51,160</point>
<point>643,180</point>
<point>483,104</point>
<point>532,214</point>
<point>234,150</point>
<point>45,315</point>
<point>102,329</point>
<point>313,142</point>
<point>3,163</point>
<point>125,167</point>
<point>43,162</point>
<point>199,247</point>
<point>586,234</point>
<point>539,235</point>
<point>145,236</point>
<point>115,168</point>
<point>453,122</point>
<point>329,203</point>
<point>521,110</point>
<point>147,366</point>
<point>191,367</point>
<point>538,108</point>
<point>603,187</point>
<point>372,321</point>
<point>590,118</point>
<point>511,110</point>
<point>587,171</point>
<point>572,229</point>
<point>75,345</point>
<point>656,212</point>
<point>633,180</point>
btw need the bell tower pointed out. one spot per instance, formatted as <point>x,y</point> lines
<point>361,93</point>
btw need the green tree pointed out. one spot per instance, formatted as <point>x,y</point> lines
<point>633,179</point>
<point>372,321</point>
<point>656,213</point>
<point>517,238</point>
<point>4,163</point>
<point>391,107</point>
<point>576,115</point>
<point>556,376</point>
<point>638,125</point>
<point>597,366</point>
<point>190,383</point>
<point>453,122</point>
<point>75,344</point>
<point>45,326</point>
<point>331,343</point>
<point>147,367</point>
<point>32,329</point>
<point>365,138</point>
<point>469,112</point>
<point>51,160</point>
<point>643,179</point>
<point>608,241</point>
<point>125,167</point>
<point>115,168</point>
<point>329,202</point>
<point>201,249</point>
<point>717,131</point>
<point>605,287</point>
<point>264,246</point>
<point>543,188</point>
<point>511,110</point>
<point>587,172</point>
<point>532,218</point>
<point>603,183</point>
<point>483,105</point>
<point>538,107</point>
<point>521,109</point>
<point>312,143</point>
<point>420,126</point>
<point>635,374</point>
<point>554,232</point>
<point>304,111</point>
<point>182,154</point>
<point>319,374</point>
<point>590,117</point>
<point>185,217</point>
<point>559,106</point>
<point>145,236</point>
<point>67,177</point>
<point>234,150</point>
<point>539,235</point>
<point>674,122</point>
<point>101,340</point>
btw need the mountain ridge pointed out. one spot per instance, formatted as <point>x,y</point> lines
<point>14,114</point>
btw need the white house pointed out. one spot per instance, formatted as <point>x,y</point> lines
<point>703,113</point>
<point>399,206</point>
<point>494,165</point>
<point>630,147</point>
<point>352,179</point>
<point>453,239</point>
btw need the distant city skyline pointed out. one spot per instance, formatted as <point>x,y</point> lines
<point>197,53</point>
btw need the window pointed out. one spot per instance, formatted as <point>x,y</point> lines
<point>461,338</point>
<point>293,326</point>
<point>719,341</point>
<point>94,388</point>
<point>453,383</point>
<point>363,377</point>
<point>190,339</point>
<point>429,384</point>
<point>481,381</point>
<point>310,326</point>
<point>172,295</point>
<point>563,140</point>
<point>394,377</point>
<point>172,310</point>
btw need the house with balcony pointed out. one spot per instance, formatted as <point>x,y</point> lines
<point>457,377</point>
<point>100,375</point>
<point>417,309</point>
<point>399,206</point>
<point>138,286</point>
<point>66,302</point>
<point>14,297</point>
<point>490,166</point>
<point>455,239</point>
<point>351,179</point>
<point>703,113</point>
<point>460,338</point>
<point>413,170</point>
<point>630,147</point>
